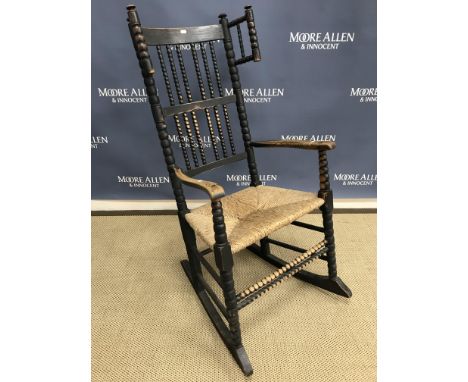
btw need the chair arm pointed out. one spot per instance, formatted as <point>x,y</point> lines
<point>214,190</point>
<point>296,144</point>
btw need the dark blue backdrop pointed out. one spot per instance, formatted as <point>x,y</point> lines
<point>317,79</point>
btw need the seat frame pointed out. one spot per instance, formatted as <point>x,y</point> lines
<point>225,315</point>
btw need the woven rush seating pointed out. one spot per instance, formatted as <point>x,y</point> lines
<point>253,213</point>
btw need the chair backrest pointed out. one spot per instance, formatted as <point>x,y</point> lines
<point>187,60</point>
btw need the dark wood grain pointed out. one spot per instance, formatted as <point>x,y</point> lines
<point>296,144</point>
<point>198,105</point>
<point>214,190</point>
<point>185,35</point>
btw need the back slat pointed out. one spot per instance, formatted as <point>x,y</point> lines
<point>220,90</point>
<point>198,105</point>
<point>170,95</point>
<point>203,95</point>
<point>169,36</point>
<point>212,165</point>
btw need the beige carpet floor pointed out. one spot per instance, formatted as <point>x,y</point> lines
<point>148,324</point>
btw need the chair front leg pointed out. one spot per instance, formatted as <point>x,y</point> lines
<point>224,262</point>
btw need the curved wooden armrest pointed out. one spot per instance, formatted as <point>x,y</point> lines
<point>296,144</point>
<point>214,190</point>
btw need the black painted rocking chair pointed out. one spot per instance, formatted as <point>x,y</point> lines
<point>229,223</point>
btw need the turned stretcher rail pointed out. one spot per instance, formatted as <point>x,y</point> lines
<point>277,277</point>
<point>286,245</point>
<point>213,296</point>
<point>308,226</point>
<point>210,270</point>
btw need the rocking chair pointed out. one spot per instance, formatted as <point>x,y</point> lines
<point>238,221</point>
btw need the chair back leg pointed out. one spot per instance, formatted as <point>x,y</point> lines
<point>265,246</point>
<point>326,194</point>
<point>327,217</point>
<point>330,282</point>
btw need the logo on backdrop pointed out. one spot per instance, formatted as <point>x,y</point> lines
<point>96,141</point>
<point>321,40</point>
<point>242,180</point>
<point>364,94</point>
<point>356,179</point>
<point>313,138</point>
<point>196,46</point>
<point>258,95</point>
<point>124,95</point>
<point>143,181</point>
<point>206,140</point>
